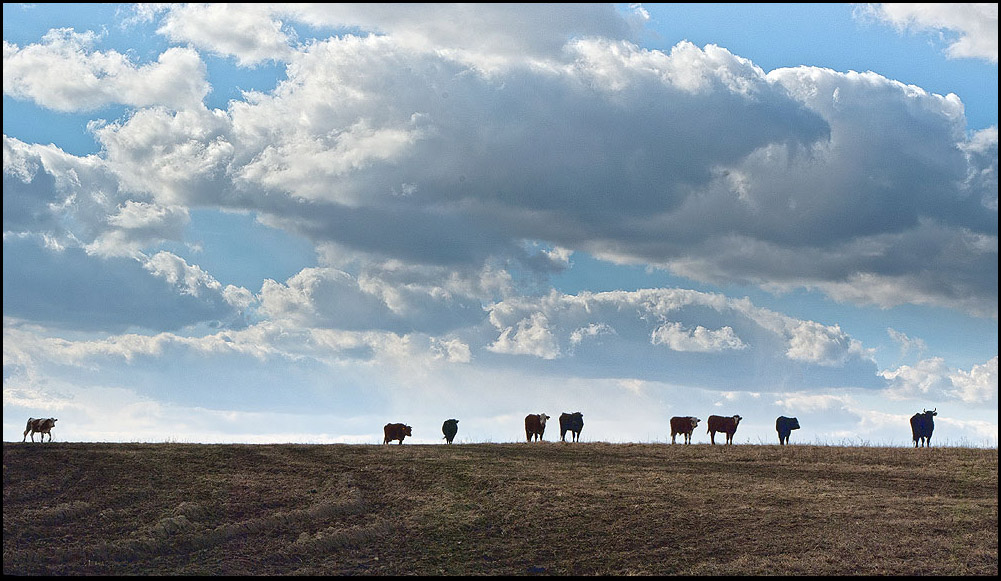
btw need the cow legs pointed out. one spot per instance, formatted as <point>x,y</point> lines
<point>712,438</point>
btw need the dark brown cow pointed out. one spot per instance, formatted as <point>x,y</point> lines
<point>42,426</point>
<point>535,426</point>
<point>684,425</point>
<point>396,432</point>
<point>727,425</point>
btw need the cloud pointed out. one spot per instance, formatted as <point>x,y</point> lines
<point>68,288</point>
<point>684,335</point>
<point>484,36</point>
<point>694,160</point>
<point>907,343</point>
<point>65,73</point>
<point>931,379</point>
<point>699,339</point>
<point>972,28</point>
<point>245,31</point>
<point>529,336</point>
<point>416,165</point>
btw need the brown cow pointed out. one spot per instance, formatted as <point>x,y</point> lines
<point>727,425</point>
<point>396,432</point>
<point>42,426</point>
<point>535,426</point>
<point>684,425</point>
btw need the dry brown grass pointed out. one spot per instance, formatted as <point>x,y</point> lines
<point>498,509</point>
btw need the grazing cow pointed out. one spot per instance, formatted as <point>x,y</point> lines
<point>535,426</point>
<point>684,425</point>
<point>396,432</point>
<point>922,426</point>
<point>571,422</point>
<point>727,425</point>
<point>784,426</point>
<point>42,426</point>
<point>449,428</point>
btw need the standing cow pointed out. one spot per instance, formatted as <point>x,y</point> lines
<point>922,425</point>
<point>42,426</point>
<point>395,432</point>
<point>571,422</point>
<point>450,428</point>
<point>535,426</point>
<point>784,426</point>
<point>684,425</point>
<point>727,425</point>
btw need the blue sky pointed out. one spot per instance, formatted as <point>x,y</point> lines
<point>297,223</point>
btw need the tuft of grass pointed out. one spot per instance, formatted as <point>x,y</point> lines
<point>591,508</point>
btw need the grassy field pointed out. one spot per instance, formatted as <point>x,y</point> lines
<point>519,509</point>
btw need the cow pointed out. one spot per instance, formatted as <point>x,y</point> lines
<point>784,426</point>
<point>449,428</point>
<point>396,432</point>
<point>922,426</point>
<point>42,426</point>
<point>727,425</point>
<point>684,425</point>
<point>535,426</point>
<point>573,423</point>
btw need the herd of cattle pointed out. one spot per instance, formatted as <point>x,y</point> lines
<point>922,426</point>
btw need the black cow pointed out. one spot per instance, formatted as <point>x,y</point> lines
<point>922,425</point>
<point>784,426</point>
<point>574,423</point>
<point>450,428</point>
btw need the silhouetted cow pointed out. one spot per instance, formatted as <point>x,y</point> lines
<point>573,423</point>
<point>784,426</point>
<point>42,426</point>
<point>922,425</point>
<point>395,432</point>
<point>535,426</point>
<point>684,425</point>
<point>727,425</point>
<point>450,428</point>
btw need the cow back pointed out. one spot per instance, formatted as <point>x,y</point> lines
<point>573,422</point>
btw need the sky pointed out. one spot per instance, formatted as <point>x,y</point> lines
<point>270,223</point>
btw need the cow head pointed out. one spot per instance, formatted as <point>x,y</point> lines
<point>695,421</point>
<point>932,413</point>
<point>736,420</point>
<point>406,430</point>
<point>542,419</point>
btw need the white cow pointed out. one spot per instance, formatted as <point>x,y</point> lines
<point>41,425</point>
